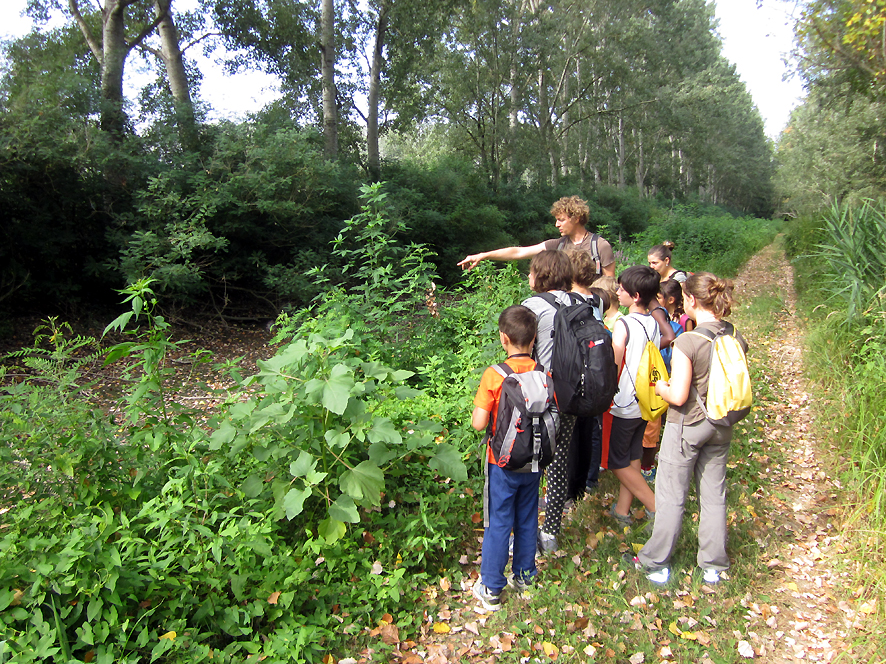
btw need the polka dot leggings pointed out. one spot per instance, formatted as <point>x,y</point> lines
<point>558,477</point>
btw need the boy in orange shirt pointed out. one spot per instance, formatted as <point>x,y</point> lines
<point>510,497</point>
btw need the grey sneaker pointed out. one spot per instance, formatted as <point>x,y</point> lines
<point>623,519</point>
<point>546,542</point>
<point>519,584</point>
<point>489,600</point>
<point>659,576</point>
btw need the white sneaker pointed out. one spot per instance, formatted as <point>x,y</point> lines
<point>711,576</point>
<point>659,576</point>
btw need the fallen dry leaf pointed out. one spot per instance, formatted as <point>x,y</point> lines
<point>472,628</point>
<point>444,583</point>
<point>441,628</point>
<point>550,649</point>
<point>745,649</point>
<point>390,634</point>
<point>274,597</point>
<point>637,658</point>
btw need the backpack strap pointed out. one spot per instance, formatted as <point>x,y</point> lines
<point>667,315</point>
<point>551,299</point>
<point>595,252</point>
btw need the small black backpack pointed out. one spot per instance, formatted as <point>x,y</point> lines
<point>526,421</point>
<point>583,362</point>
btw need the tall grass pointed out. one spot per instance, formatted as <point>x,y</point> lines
<point>841,261</point>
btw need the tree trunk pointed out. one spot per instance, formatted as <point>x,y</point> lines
<point>114,52</point>
<point>327,69</point>
<point>622,156</point>
<point>176,75</point>
<point>372,153</point>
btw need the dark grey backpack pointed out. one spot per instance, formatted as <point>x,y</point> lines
<point>524,438</point>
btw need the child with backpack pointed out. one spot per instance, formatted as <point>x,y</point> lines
<point>670,301</point>
<point>511,493</point>
<point>612,313</point>
<point>577,347</point>
<point>585,446</point>
<point>708,364</point>
<point>623,424</point>
<point>550,277</point>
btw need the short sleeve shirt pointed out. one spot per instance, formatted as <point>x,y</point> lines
<point>604,249</point>
<point>489,392</point>
<point>698,349</point>
<point>544,334</point>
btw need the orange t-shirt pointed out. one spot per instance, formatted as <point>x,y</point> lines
<point>489,392</point>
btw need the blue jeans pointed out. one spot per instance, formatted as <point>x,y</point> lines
<point>513,505</point>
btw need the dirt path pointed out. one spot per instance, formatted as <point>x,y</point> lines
<point>808,618</point>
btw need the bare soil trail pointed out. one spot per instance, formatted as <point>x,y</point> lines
<point>814,616</point>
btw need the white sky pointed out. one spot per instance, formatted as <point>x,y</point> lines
<point>756,40</point>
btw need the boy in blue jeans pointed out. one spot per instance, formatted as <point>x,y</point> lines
<point>512,495</point>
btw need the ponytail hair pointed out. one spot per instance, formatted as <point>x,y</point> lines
<point>662,251</point>
<point>674,289</point>
<point>711,292</point>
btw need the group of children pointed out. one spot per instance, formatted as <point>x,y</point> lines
<point>621,440</point>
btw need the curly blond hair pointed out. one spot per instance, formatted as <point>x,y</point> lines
<point>572,206</point>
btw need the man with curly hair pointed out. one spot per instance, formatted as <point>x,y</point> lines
<point>571,215</point>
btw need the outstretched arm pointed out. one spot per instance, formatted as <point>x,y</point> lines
<point>506,254</point>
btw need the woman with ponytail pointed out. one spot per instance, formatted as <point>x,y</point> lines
<point>692,448</point>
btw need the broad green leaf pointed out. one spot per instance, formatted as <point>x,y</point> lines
<point>331,530</point>
<point>294,502</point>
<point>344,509</point>
<point>289,355</point>
<point>402,374</point>
<point>315,477</point>
<point>252,486</point>
<point>448,462</point>
<point>93,608</point>
<point>363,483</point>
<point>303,465</point>
<point>383,430</point>
<point>337,438</point>
<point>429,426</point>
<point>379,454</point>
<point>242,409</point>
<point>338,389</point>
<point>374,370</point>
<point>222,436</point>
<point>85,633</point>
<point>402,392</point>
